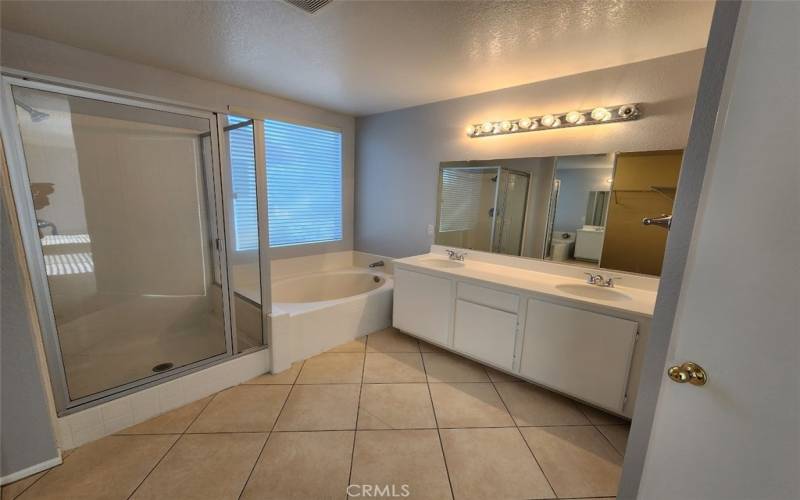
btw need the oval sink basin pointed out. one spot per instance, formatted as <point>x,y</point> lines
<point>592,292</point>
<point>443,263</point>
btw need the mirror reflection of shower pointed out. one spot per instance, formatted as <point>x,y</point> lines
<point>483,208</point>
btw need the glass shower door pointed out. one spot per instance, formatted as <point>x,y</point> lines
<point>126,209</point>
<point>512,203</point>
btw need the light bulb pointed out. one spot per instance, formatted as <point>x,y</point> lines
<point>496,129</point>
<point>574,117</point>
<point>600,114</point>
<point>524,123</point>
<point>515,128</point>
<point>548,120</point>
<point>487,127</point>
<point>534,124</point>
<point>506,126</point>
<point>471,130</point>
<point>556,123</point>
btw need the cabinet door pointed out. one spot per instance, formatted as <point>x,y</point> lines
<point>581,353</point>
<point>487,334</point>
<point>422,305</point>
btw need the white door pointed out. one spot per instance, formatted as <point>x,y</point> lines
<point>738,437</point>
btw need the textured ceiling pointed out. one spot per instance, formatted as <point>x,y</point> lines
<point>363,57</point>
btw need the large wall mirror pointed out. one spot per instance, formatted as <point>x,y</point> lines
<point>585,210</point>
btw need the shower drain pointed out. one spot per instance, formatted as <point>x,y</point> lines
<point>162,367</point>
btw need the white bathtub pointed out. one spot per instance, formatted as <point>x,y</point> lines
<point>312,313</point>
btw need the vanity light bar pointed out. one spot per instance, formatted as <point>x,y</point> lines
<point>596,116</point>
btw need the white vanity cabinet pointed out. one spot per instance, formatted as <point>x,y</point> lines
<point>423,305</point>
<point>581,353</point>
<point>582,348</point>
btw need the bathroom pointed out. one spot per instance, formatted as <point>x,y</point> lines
<point>244,257</point>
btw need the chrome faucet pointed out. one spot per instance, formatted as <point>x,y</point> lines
<point>598,280</point>
<point>454,255</point>
<point>377,264</point>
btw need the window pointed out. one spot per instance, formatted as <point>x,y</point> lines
<point>304,184</point>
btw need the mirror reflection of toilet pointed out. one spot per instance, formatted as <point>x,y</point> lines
<point>561,246</point>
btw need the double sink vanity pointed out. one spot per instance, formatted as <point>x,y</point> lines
<point>540,321</point>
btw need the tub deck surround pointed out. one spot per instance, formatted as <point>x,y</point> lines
<point>385,410</point>
<point>319,302</point>
<point>538,278</point>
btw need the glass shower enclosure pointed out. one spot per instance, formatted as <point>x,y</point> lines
<point>123,211</point>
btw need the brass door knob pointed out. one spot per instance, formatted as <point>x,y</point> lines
<point>688,372</point>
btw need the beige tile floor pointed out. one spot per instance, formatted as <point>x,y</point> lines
<point>381,410</point>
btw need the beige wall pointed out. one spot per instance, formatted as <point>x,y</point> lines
<point>31,54</point>
<point>398,153</point>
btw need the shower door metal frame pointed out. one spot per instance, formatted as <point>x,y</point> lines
<point>20,186</point>
<point>264,260</point>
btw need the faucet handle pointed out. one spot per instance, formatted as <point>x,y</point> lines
<point>611,280</point>
<point>590,278</point>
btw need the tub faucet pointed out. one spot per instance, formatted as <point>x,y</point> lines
<point>377,264</point>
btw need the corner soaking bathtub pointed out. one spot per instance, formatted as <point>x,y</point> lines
<point>312,313</point>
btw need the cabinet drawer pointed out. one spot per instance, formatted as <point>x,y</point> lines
<point>486,296</point>
<point>485,333</point>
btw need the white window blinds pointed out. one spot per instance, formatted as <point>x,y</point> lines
<point>304,183</point>
<point>461,199</point>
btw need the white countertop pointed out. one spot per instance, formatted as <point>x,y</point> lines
<point>636,301</point>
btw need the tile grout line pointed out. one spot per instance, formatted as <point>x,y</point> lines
<point>213,397</point>
<point>521,435</point>
<point>621,454</point>
<point>358,412</point>
<point>63,459</point>
<point>436,422</point>
<point>272,429</point>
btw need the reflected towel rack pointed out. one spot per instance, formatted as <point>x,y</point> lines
<point>666,191</point>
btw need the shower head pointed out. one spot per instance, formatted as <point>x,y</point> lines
<point>36,115</point>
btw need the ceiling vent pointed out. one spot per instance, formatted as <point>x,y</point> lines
<point>310,6</point>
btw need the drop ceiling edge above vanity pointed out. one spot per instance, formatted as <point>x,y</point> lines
<point>638,301</point>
